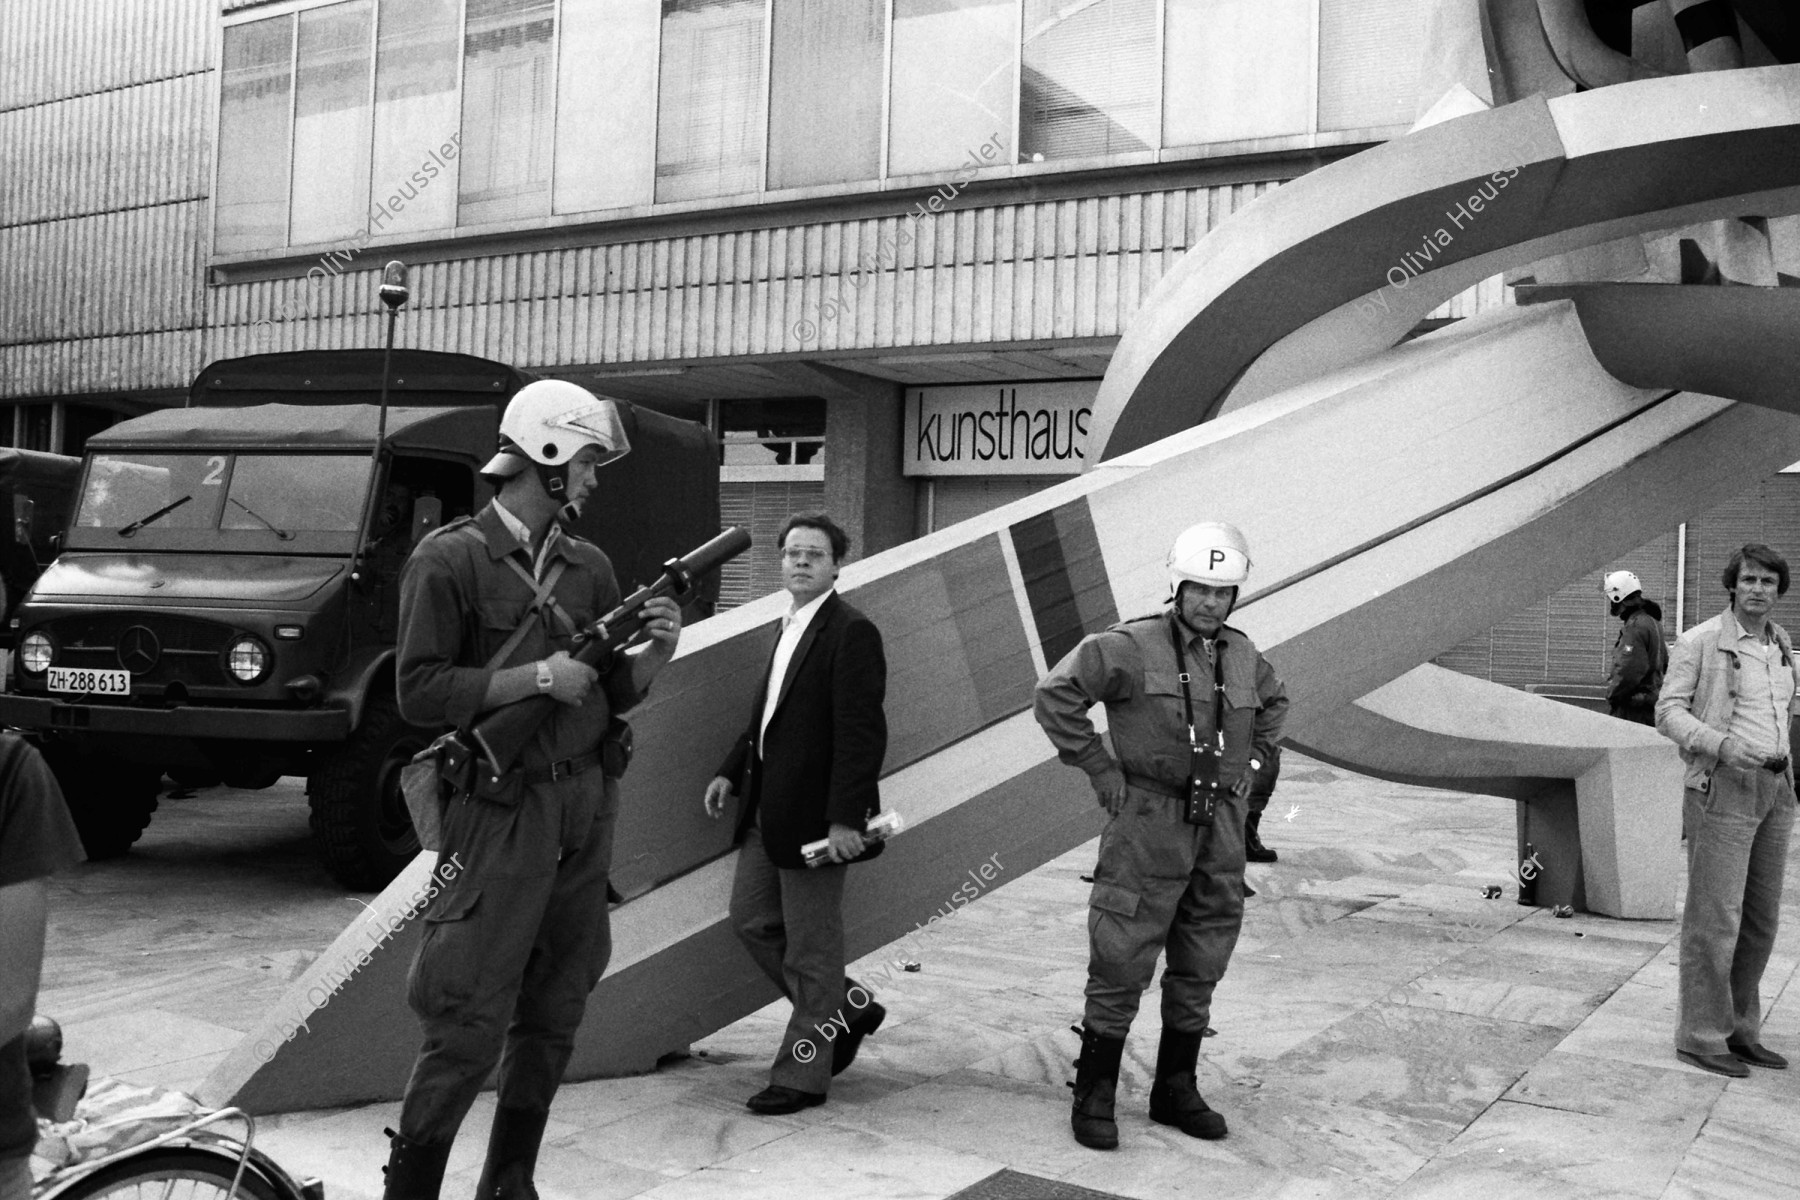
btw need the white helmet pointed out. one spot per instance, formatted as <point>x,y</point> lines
<point>1211,552</point>
<point>547,422</point>
<point>1620,584</point>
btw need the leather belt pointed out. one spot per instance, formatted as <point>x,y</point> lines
<point>1776,766</point>
<point>1170,790</point>
<point>564,768</point>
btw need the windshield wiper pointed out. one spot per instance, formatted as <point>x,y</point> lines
<point>283,534</point>
<point>165,510</point>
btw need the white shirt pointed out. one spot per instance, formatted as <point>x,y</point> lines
<point>791,633</point>
<point>522,531</point>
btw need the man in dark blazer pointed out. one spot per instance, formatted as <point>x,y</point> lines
<point>807,767</point>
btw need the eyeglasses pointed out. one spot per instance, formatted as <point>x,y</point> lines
<point>797,554</point>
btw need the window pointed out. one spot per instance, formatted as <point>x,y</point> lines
<point>415,114</point>
<point>254,110</point>
<point>606,104</point>
<point>953,82</point>
<point>710,103</point>
<point>507,125</point>
<point>825,99</point>
<point>772,433</point>
<point>274,493</point>
<point>1236,69</point>
<point>1369,52</point>
<point>419,116</point>
<point>1089,78</point>
<point>331,124</point>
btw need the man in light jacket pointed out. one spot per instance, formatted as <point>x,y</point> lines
<point>1727,703</point>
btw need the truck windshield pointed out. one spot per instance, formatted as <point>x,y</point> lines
<point>276,494</point>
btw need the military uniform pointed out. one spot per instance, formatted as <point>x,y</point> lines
<point>1640,660</point>
<point>513,945</point>
<point>1161,879</point>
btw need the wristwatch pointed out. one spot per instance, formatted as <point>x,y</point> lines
<point>545,680</point>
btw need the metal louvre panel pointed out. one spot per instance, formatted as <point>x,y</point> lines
<point>1050,269</point>
<point>1521,646</point>
<point>761,508</point>
<point>54,49</point>
<point>1768,513</point>
<point>1582,631</point>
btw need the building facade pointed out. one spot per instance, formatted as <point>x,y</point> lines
<point>884,247</point>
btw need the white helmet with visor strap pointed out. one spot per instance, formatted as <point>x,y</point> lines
<point>547,422</point>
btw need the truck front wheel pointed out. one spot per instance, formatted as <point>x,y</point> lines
<point>359,818</point>
<point>110,802</point>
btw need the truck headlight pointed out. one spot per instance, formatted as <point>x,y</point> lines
<point>35,653</point>
<point>248,659</point>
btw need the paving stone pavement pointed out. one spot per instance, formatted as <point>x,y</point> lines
<point>1384,1031</point>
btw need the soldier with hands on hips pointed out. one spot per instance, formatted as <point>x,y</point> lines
<point>1189,703</point>
<point>515,942</point>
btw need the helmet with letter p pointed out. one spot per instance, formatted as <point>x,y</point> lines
<point>1213,552</point>
<point>547,423</point>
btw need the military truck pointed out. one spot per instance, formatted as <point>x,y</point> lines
<point>225,603</point>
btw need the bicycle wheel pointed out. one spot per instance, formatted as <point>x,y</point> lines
<point>172,1173</point>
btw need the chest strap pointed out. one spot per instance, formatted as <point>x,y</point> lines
<point>1203,785</point>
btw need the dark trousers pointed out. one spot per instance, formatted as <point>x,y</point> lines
<point>1737,836</point>
<point>1161,882</point>
<point>792,923</point>
<point>511,950</point>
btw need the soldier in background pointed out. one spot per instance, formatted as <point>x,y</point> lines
<point>1640,660</point>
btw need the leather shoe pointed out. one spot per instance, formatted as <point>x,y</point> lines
<point>1718,1064</point>
<point>843,1051</point>
<point>775,1100</point>
<point>1757,1056</point>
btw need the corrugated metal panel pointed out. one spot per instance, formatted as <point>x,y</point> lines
<point>1053,269</point>
<point>114,273</point>
<point>760,508</point>
<point>106,151</point>
<point>52,49</point>
<point>134,362</point>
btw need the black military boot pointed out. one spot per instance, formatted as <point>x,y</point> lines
<point>1254,850</point>
<point>512,1155</point>
<point>414,1170</point>
<point>1096,1082</point>
<point>1175,1097</point>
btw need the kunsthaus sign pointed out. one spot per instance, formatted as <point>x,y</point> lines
<point>999,429</point>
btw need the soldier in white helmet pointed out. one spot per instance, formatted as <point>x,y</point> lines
<point>1640,659</point>
<point>1189,703</point>
<point>516,940</point>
